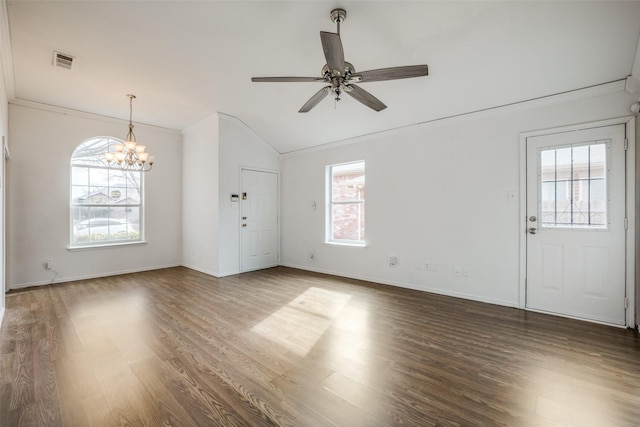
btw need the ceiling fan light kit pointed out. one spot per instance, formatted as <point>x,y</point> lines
<point>341,76</point>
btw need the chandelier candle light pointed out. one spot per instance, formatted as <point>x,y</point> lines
<point>130,155</point>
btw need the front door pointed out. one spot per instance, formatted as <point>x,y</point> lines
<point>259,221</point>
<point>576,224</point>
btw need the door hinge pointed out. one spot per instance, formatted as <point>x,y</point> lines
<point>626,303</point>
<point>626,144</point>
<point>626,224</point>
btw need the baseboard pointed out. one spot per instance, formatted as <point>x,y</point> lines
<point>90,276</point>
<point>201,270</point>
<point>414,287</point>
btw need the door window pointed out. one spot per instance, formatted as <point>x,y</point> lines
<point>573,186</point>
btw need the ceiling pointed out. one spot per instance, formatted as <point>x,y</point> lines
<point>186,60</point>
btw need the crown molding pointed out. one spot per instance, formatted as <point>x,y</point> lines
<point>5,51</point>
<point>540,102</point>
<point>632,84</point>
<point>77,113</point>
<point>243,125</point>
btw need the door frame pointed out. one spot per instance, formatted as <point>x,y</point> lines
<point>240,243</point>
<point>630,191</point>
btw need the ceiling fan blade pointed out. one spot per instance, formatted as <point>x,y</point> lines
<point>333,52</point>
<point>393,73</point>
<point>315,99</point>
<point>287,79</point>
<point>366,98</point>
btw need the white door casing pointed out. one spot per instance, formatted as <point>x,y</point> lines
<point>259,220</point>
<point>576,260</point>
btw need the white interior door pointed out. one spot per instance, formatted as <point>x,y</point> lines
<point>576,224</point>
<point>259,220</point>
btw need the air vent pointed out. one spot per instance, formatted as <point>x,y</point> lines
<point>62,60</point>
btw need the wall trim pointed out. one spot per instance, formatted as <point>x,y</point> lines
<point>511,304</point>
<point>247,129</point>
<point>84,114</point>
<point>202,270</point>
<point>90,276</point>
<point>543,101</point>
<point>6,56</point>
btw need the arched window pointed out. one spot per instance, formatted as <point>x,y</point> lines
<point>106,203</point>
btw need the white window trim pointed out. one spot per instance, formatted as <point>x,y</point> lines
<point>106,243</point>
<point>329,204</point>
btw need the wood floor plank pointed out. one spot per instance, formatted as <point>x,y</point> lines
<point>285,347</point>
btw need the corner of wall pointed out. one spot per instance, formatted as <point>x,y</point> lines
<point>637,220</point>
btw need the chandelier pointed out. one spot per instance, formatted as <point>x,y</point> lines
<point>130,155</point>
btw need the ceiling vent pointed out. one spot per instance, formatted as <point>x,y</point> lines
<point>62,60</point>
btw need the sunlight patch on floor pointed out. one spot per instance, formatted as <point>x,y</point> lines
<point>298,325</point>
<point>564,395</point>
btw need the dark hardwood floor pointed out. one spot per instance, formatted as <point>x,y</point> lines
<point>293,348</point>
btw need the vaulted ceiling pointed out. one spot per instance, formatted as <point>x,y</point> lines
<point>186,60</point>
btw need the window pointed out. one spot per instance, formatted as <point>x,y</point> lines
<point>345,207</point>
<point>106,203</point>
<point>573,186</point>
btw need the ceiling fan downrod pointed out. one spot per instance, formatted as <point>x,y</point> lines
<point>338,16</point>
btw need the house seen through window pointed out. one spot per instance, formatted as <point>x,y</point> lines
<point>106,203</point>
<point>346,196</point>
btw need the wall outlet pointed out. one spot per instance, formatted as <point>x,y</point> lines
<point>431,267</point>
<point>48,264</point>
<point>457,271</point>
<point>311,254</point>
<point>393,260</point>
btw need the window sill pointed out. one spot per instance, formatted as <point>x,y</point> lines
<point>106,245</point>
<point>347,244</point>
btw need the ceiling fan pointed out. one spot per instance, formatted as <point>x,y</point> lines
<point>341,76</point>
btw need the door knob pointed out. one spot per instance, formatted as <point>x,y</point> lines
<point>533,230</point>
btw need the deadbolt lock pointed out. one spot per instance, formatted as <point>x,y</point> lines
<point>532,218</point>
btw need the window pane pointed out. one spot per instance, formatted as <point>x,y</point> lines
<point>548,165</point>
<point>598,164</point>
<point>99,177</point>
<point>548,202</point>
<point>347,182</point>
<point>598,196</point>
<point>113,190</point>
<point>563,164</point>
<point>573,186</point>
<point>346,207</point>
<point>348,221</point>
<point>80,175</point>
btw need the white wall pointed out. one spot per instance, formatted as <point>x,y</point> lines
<point>215,150</point>
<point>436,193</point>
<point>200,196</point>
<point>4,132</point>
<point>239,148</point>
<point>38,177</point>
